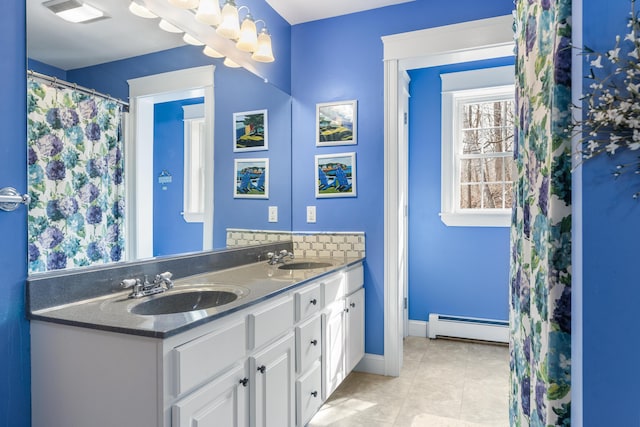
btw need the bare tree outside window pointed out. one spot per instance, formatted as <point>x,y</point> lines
<point>485,154</point>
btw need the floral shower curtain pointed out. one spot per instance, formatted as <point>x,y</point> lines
<point>75,167</point>
<point>540,288</point>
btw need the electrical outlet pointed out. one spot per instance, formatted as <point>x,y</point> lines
<point>273,214</point>
<point>311,214</point>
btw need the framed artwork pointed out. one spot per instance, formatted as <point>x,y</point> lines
<point>336,123</point>
<point>251,179</point>
<point>336,175</point>
<point>250,131</point>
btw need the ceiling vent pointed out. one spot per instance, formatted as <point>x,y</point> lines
<point>75,11</point>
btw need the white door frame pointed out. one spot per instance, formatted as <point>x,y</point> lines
<point>468,41</point>
<point>144,93</point>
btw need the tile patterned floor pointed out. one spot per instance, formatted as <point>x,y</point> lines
<point>443,383</point>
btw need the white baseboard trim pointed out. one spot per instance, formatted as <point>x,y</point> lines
<point>371,364</point>
<point>418,328</point>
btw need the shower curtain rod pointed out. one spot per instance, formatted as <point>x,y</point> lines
<point>57,81</point>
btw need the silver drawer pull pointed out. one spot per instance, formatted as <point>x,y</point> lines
<point>314,342</point>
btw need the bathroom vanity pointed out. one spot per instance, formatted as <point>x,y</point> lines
<point>269,358</point>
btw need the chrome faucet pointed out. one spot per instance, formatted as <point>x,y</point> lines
<point>161,283</point>
<point>279,257</point>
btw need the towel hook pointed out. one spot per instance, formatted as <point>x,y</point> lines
<point>10,199</point>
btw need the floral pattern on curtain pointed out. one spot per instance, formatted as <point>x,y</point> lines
<point>75,167</point>
<point>540,282</point>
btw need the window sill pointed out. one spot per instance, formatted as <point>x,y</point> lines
<point>476,219</point>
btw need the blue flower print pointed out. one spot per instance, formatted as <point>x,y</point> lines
<point>113,233</point>
<point>117,176</point>
<point>118,209</point>
<point>53,118</point>
<point>68,118</point>
<point>49,145</point>
<point>88,193</point>
<point>34,252</point>
<point>56,260</point>
<point>96,167</point>
<point>32,157</point>
<point>92,131</point>
<point>94,215</point>
<point>70,158</point>
<point>94,251</point>
<point>68,206</point>
<point>71,246</point>
<point>51,237</point>
<point>56,170</point>
<point>76,223</point>
<point>87,109</point>
<point>75,135</point>
<point>53,211</point>
<point>116,253</point>
<point>36,174</point>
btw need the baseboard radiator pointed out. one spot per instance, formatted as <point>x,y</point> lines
<point>441,325</point>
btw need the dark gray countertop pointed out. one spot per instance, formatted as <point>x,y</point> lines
<point>258,281</point>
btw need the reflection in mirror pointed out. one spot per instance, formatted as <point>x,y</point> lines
<point>235,90</point>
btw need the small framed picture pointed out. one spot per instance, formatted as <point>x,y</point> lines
<point>336,175</point>
<point>251,179</point>
<point>336,123</point>
<point>250,131</point>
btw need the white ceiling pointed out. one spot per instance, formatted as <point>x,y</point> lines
<point>299,11</point>
<point>69,46</point>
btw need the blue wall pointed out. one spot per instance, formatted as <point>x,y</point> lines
<point>461,271</point>
<point>340,59</point>
<point>611,243</point>
<point>171,233</point>
<point>15,408</point>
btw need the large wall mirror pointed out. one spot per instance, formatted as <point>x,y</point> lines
<point>107,55</point>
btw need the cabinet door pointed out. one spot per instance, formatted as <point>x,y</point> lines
<point>223,402</point>
<point>308,343</point>
<point>308,395</point>
<point>273,385</point>
<point>333,351</point>
<point>354,334</point>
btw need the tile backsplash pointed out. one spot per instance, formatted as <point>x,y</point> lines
<point>305,244</point>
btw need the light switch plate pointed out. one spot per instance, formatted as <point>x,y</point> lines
<point>311,214</point>
<point>273,214</point>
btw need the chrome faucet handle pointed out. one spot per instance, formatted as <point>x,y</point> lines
<point>270,255</point>
<point>129,283</point>
<point>164,278</point>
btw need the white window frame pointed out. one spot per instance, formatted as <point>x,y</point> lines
<point>483,84</point>
<point>194,126</point>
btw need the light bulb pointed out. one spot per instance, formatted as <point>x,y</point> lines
<point>264,52</point>
<point>229,26</point>
<point>209,12</point>
<point>141,11</point>
<point>185,4</point>
<point>169,27</point>
<point>229,63</point>
<point>188,38</point>
<point>209,51</point>
<point>248,40</point>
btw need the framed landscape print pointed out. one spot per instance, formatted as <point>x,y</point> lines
<point>336,123</point>
<point>336,175</point>
<point>250,131</point>
<point>251,179</point>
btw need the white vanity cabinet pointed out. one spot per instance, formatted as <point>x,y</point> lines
<point>269,365</point>
<point>343,327</point>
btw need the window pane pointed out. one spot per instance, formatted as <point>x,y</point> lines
<point>493,196</point>
<point>471,170</point>
<point>472,141</point>
<point>470,196</point>
<point>508,195</point>
<point>509,165</point>
<point>493,169</point>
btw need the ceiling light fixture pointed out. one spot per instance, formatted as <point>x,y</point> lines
<point>229,63</point>
<point>248,40</point>
<point>169,27</point>
<point>229,27</point>
<point>209,12</point>
<point>211,52</point>
<point>218,23</point>
<point>74,11</point>
<point>189,39</point>
<point>141,11</point>
<point>264,51</point>
<point>185,4</point>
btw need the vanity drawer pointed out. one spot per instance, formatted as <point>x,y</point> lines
<point>354,279</point>
<point>308,343</point>
<point>308,302</point>
<point>207,356</point>
<point>270,321</point>
<point>308,396</point>
<point>332,288</point>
